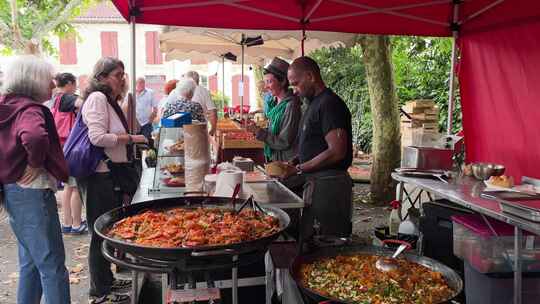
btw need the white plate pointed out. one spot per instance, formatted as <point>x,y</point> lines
<point>527,189</point>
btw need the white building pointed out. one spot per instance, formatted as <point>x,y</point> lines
<point>102,31</point>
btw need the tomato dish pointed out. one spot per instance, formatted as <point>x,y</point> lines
<point>183,227</point>
<point>355,279</point>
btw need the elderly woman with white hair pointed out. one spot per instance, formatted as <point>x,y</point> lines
<point>32,163</point>
<point>185,89</point>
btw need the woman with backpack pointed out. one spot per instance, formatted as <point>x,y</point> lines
<point>107,128</point>
<point>32,164</point>
<point>64,109</point>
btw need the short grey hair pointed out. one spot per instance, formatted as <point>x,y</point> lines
<point>186,87</point>
<point>193,75</point>
<point>30,76</point>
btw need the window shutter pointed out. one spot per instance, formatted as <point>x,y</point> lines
<point>109,44</point>
<point>213,83</point>
<point>153,53</point>
<point>68,50</point>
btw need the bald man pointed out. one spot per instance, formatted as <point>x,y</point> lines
<point>324,153</point>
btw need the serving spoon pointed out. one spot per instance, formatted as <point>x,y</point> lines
<point>386,264</point>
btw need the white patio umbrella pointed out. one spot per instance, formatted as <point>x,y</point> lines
<point>254,47</point>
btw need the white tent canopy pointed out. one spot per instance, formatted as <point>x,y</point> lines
<point>207,43</point>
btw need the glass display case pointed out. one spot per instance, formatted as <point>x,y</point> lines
<point>169,172</point>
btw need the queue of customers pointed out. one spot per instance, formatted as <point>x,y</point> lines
<point>38,154</point>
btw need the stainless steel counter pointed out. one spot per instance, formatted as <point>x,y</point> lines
<point>271,193</point>
<point>466,192</point>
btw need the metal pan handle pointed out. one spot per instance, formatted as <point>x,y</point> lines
<point>214,252</point>
<point>204,193</point>
<point>401,242</point>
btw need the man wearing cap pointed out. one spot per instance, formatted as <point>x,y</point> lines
<point>324,154</point>
<point>283,118</point>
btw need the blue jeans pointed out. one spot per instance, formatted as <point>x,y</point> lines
<point>33,216</point>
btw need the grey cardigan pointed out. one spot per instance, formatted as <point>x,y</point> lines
<point>283,145</point>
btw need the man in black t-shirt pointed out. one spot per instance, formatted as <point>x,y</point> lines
<point>324,154</point>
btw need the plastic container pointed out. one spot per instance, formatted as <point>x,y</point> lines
<point>176,120</point>
<point>475,243</point>
<point>498,288</point>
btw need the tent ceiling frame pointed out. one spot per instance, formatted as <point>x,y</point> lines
<point>187,5</point>
<point>313,9</point>
<point>367,10</point>
<point>480,11</point>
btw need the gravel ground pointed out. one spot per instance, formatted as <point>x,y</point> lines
<point>365,218</point>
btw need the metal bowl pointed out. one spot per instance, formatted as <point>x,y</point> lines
<point>483,171</point>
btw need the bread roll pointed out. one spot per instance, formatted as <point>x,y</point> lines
<point>502,181</point>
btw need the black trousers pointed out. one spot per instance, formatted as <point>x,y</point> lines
<point>328,198</point>
<point>98,195</point>
<point>146,130</point>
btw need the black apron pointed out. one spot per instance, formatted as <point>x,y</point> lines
<point>328,203</point>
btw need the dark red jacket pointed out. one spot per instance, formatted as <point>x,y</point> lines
<point>28,137</point>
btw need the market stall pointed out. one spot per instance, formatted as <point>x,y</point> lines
<point>491,67</point>
<point>233,140</point>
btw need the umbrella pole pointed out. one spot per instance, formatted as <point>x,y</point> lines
<point>223,79</point>
<point>241,89</point>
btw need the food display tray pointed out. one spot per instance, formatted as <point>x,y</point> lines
<point>522,209</point>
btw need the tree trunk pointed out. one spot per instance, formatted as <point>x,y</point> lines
<point>376,53</point>
<point>258,75</point>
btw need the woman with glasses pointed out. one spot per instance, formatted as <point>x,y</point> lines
<point>107,128</point>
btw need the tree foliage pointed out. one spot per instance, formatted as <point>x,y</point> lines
<point>26,25</point>
<point>343,71</point>
<point>421,70</point>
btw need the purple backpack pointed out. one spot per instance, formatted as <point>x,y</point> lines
<point>81,155</point>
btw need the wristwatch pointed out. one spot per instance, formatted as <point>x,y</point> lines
<point>130,139</point>
<point>298,169</point>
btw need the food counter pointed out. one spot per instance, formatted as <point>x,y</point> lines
<point>270,192</point>
<point>467,193</point>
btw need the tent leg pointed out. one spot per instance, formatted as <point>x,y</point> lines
<point>133,56</point>
<point>455,29</point>
<point>451,99</point>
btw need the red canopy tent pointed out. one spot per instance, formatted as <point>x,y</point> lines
<point>498,43</point>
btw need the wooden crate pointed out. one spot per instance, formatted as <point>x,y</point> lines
<point>228,143</point>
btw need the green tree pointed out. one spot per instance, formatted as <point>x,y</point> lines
<point>422,70</point>
<point>25,25</point>
<point>343,71</point>
<point>377,57</point>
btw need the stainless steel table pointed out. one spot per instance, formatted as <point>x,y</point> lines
<point>466,192</point>
<point>271,193</point>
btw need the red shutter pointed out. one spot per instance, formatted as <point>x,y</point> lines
<point>153,53</point>
<point>68,50</point>
<point>109,44</point>
<point>83,82</point>
<point>198,61</point>
<point>213,83</point>
<point>235,98</point>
